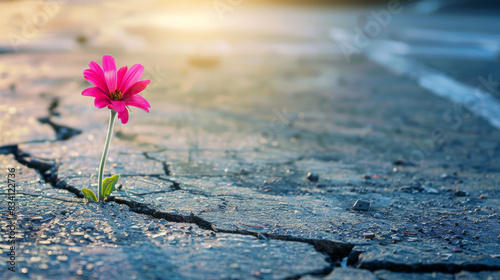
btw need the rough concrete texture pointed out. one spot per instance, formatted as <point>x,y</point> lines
<point>214,180</point>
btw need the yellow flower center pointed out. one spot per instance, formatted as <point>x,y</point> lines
<point>116,95</point>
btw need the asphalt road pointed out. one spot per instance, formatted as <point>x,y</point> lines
<point>282,143</point>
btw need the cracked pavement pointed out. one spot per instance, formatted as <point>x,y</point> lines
<point>214,179</point>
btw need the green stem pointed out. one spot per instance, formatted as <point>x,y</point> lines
<point>105,154</point>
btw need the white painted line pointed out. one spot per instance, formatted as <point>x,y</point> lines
<point>476,100</point>
<point>428,50</point>
<point>448,36</point>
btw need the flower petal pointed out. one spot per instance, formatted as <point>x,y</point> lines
<point>94,66</point>
<point>119,76</point>
<point>93,91</point>
<point>137,101</point>
<point>97,68</point>
<point>136,88</point>
<point>123,115</point>
<point>108,63</point>
<point>95,79</point>
<point>102,101</point>
<point>119,106</point>
<point>131,77</point>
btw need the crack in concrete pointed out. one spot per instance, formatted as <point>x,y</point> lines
<point>62,132</point>
<point>423,268</point>
<point>334,250</point>
<point>48,170</point>
<point>166,169</point>
<point>166,166</point>
<point>175,184</point>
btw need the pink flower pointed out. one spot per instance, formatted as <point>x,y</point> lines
<point>116,89</point>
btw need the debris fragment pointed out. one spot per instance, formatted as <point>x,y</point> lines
<point>460,193</point>
<point>403,163</point>
<point>361,205</point>
<point>411,189</point>
<point>369,235</point>
<point>430,190</point>
<point>395,238</point>
<point>313,177</point>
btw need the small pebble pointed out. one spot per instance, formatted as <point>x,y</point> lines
<point>313,177</point>
<point>266,271</point>
<point>361,205</point>
<point>430,190</point>
<point>369,235</point>
<point>403,163</point>
<point>62,258</point>
<point>460,193</point>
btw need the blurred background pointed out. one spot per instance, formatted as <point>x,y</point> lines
<point>276,113</point>
<point>245,58</point>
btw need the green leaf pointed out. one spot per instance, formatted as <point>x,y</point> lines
<point>108,184</point>
<point>89,195</point>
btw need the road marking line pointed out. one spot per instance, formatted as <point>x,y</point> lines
<point>476,100</point>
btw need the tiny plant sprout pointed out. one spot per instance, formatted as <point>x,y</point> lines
<point>115,90</point>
